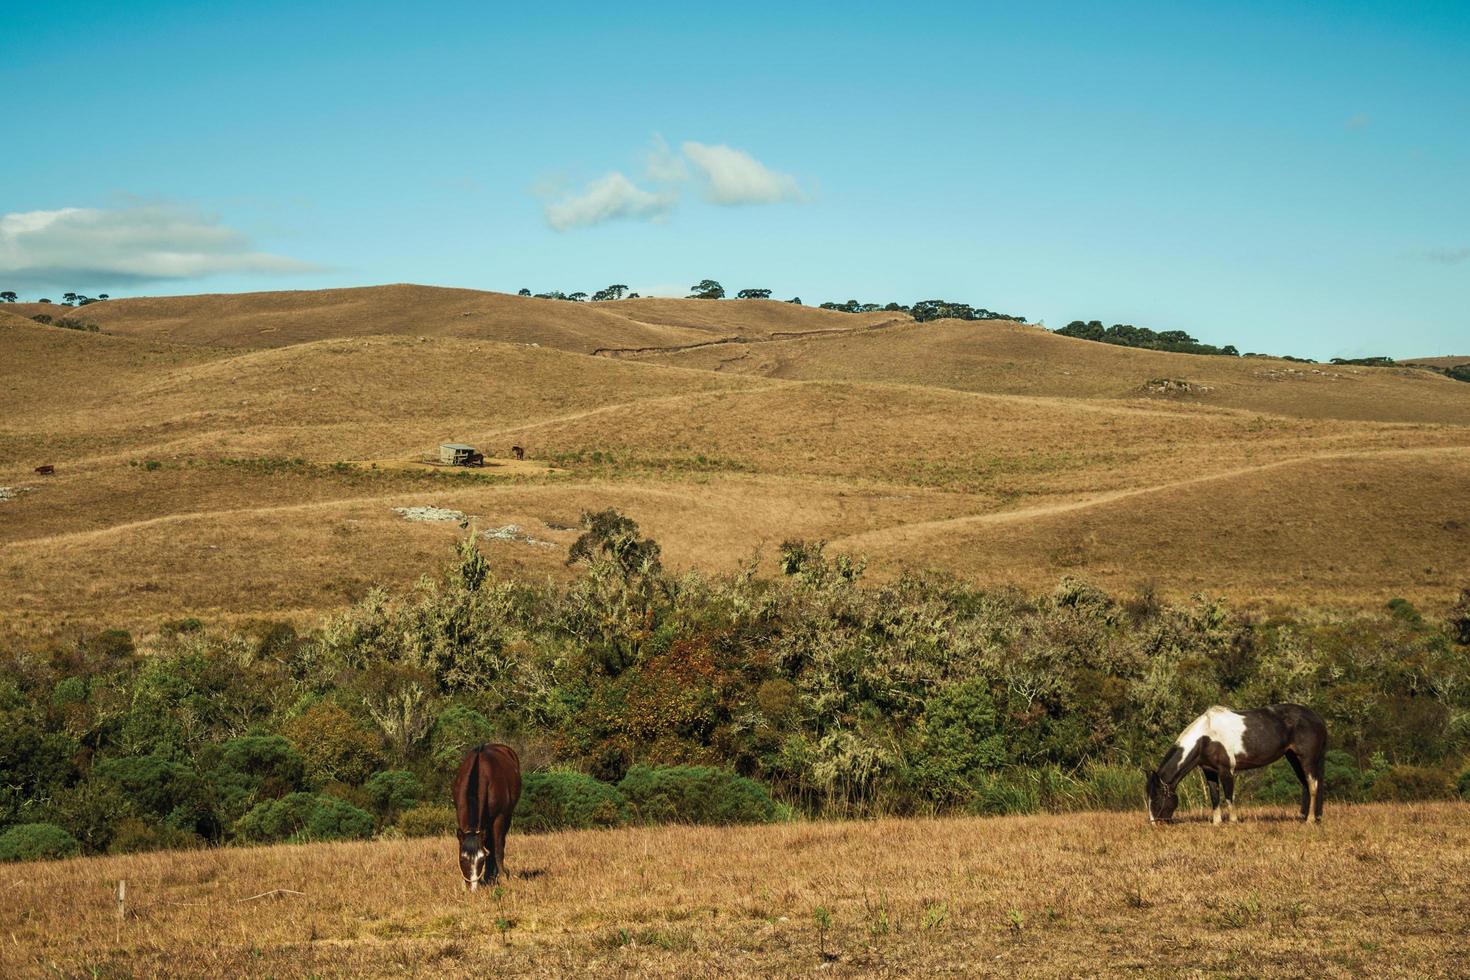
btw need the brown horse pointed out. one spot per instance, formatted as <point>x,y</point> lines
<point>486,790</point>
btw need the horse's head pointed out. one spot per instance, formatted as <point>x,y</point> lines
<point>472,859</point>
<point>1162,800</point>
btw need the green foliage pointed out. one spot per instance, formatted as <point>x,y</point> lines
<point>828,694</point>
<point>956,742</point>
<point>254,768</point>
<point>695,794</point>
<point>333,744</point>
<point>37,842</point>
<point>1379,361</point>
<point>455,732</point>
<point>560,800</point>
<point>924,310</point>
<point>1404,784</point>
<point>610,536</point>
<point>392,792</point>
<point>426,820</point>
<point>707,289</point>
<point>161,789</point>
<point>304,817</point>
<point>1127,335</point>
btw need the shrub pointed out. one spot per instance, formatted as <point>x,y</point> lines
<point>133,835</point>
<point>695,794</point>
<point>426,820</point>
<point>568,801</point>
<point>393,792</point>
<point>162,788</point>
<point>959,742</point>
<point>90,811</point>
<point>256,767</point>
<point>333,744</point>
<point>302,817</point>
<point>1345,782</point>
<point>1405,784</point>
<point>37,842</point>
<point>455,731</point>
<point>1462,785</point>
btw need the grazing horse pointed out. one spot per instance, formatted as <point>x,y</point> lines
<point>1222,741</point>
<point>486,790</point>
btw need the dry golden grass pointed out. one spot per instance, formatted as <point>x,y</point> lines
<point>993,450</point>
<point>282,318</point>
<point>1001,357</point>
<point>1374,891</point>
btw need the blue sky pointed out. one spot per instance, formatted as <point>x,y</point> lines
<point>1286,177</point>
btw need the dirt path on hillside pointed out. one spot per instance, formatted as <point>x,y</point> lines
<point>886,535</point>
<point>775,335</point>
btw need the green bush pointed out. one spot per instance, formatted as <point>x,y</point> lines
<point>426,820</point>
<point>254,768</point>
<point>455,732</point>
<point>957,742</point>
<point>1405,784</point>
<point>695,794</point>
<point>1462,785</point>
<point>568,801</point>
<point>393,792</point>
<point>1344,781</point>
<point>36,842</point>
<point>303,817</point>
<point>161,788</point>
<point>334,745</point>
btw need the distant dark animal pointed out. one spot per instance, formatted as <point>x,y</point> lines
<point>517,452</point>
<point>486,790</point>
<point>1222,742</point>
<point>46,470</point>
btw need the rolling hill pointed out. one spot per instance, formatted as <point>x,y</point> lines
<point>239,456</point>
<point>284,318</point>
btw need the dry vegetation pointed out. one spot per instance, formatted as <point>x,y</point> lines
<point>196,477</point>
<point>1375,891</point>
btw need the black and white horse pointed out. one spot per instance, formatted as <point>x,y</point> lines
<point>1222,742</point>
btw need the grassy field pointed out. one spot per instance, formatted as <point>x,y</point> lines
<point>1375,891</point>
<point>198,442</point>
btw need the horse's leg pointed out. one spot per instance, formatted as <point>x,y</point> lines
<point>1314,780</point>
<point>1301,775</point>
<point>502,825</point>
<point>1227,784</point>
<point>1212,783</point>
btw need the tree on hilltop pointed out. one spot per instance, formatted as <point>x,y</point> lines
<point>707,289</point>
<point>614,291</point>
<point>8,297</point>
<point>523,291</point>
<point>753,294</point>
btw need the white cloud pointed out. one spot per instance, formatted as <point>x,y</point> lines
<point>733,176</point>
<point>664,165</point>
<point>606,199</point>
<point>92,247</point>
